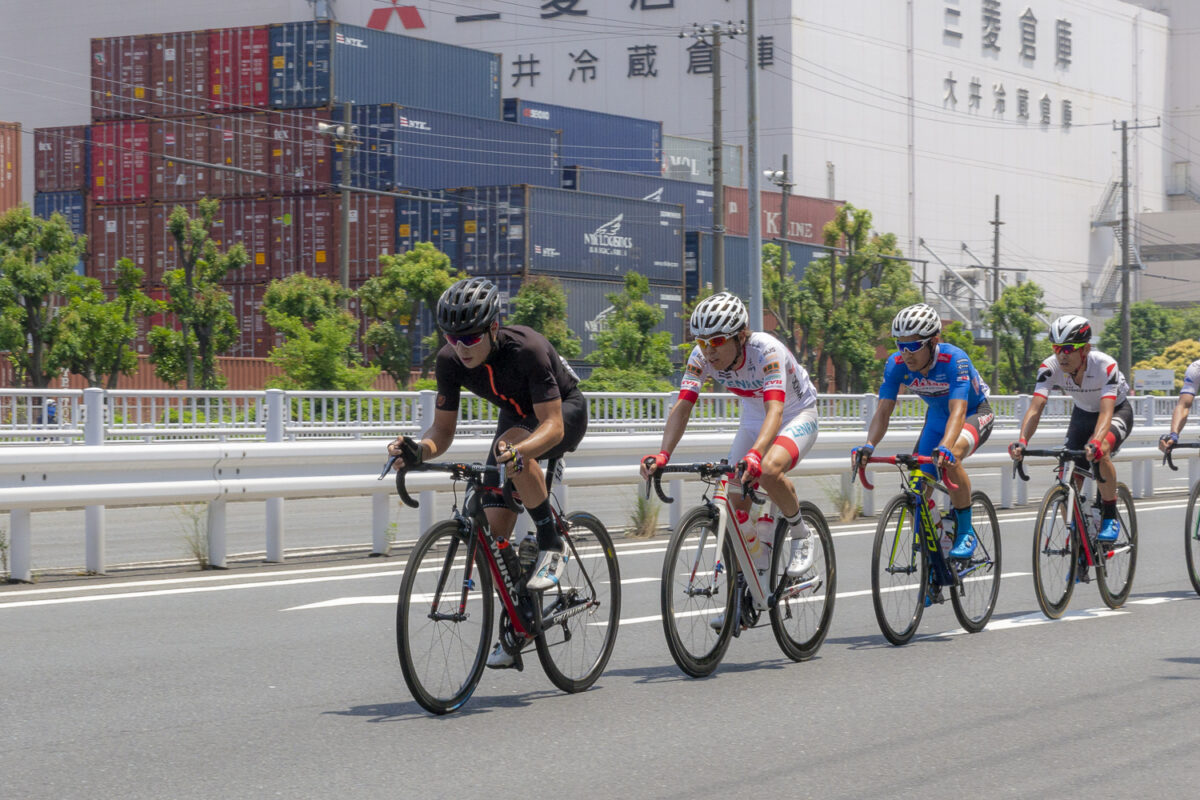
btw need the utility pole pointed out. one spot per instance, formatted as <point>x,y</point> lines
<point>343,138</point>
<point>752,190</point>
<point>782,179</point>
<point>712,34</point>
<point>996,223</point>
<point>1126,348</point>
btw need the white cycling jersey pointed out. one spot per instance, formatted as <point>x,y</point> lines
<point>1101,378</point>
<point>1191,378</point>
<point>768,372</point>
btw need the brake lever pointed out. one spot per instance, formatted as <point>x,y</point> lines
<point>388,467</point>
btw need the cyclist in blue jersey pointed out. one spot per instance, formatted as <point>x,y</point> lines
<point>959,418</point>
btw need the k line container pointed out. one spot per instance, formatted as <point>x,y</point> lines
<point>688,159</point>
<point>530,230</point>
<point>318,64</point>
<point>699,268</point>
<point>10,165</point>
<point>188,138</point>
<point>593,139</point>
<point>696,199</point>
<point>412,148</point>
<point>61,158</point>
<point>116,232</point>
<point>179,73</point>
<point>807,216</point>
<point>122,81</point>
<point>120,171</point>
<point>239,68</point>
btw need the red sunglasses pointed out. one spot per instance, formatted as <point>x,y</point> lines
<point>712,342</point>
<point>1067,349</point>
<point>466,340</point>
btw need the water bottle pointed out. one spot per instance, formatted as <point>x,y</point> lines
<point>764,529</point>
<point>749,532</point>
<point>527,552</point>
<point>1094,516</point>
<point>511,563</point>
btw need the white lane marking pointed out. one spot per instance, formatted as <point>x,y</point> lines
<point>390,599</point>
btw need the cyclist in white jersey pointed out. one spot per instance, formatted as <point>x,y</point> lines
<point>1102,417</point>
<point>1183,408</point>
<point>778,409</point>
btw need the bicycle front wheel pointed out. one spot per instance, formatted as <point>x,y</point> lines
<point>575,650</point>
<point>1191,539</point>
<point>697,594</point>
<point>975,600</point>
<point>899,572</point>
<point>1116,561</point>
<point>443,619</point>
<point>801,617</point>
<point>1055,553</point>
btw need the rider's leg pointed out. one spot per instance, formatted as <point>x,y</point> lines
<point>976,430</point>
<point>793,443</point>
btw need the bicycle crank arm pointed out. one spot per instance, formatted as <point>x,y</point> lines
<point>793,591</point>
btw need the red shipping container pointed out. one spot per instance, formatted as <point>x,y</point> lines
<point>372,233</point>
<point>248,222</point>
<point>182,138</point>
<point>301,158</point>
<point>243,141</point>
<point>116,232</point>
<point>120,162</point>
<point>257,338</point>
<point>179,73</point>
<point>238,63</point>
<point>164,248</point>
<point>10,165</point>
<point>806,215</point>
<point>121,77</point>
<point>60,158</point>
<point>302,236</point>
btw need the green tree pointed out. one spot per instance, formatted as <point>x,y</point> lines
<point>1022,348</point>
<point>783,295</point>
<point>37,275</point>
<point>207,325</point>
<point>629,355</point>
<point>96,334</point>
<point>394,300</point>
<point>542,305</point>
<point>1151,329</point>
<point>1177,356</point>
<point>318,351</point>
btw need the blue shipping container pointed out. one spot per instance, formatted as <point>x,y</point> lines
<point>414,148</point>
<point>71,205</point>
<point>696,198</point>
<point>316,64</point>
<point>510,230</point>
<point>593,139</point>
<point>698,261</point>
<point>421,221</point>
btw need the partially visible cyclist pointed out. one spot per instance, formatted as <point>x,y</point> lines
<point>1102,417</point>
<point>1183,408</point>
<point>958,420</point>
<point>778,424</point>
<point>542,415</point>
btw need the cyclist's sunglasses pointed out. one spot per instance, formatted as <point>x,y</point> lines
<point>712,342</point>
<point>1066,349</point>
<point>911,347</point>
<point>466,340</point>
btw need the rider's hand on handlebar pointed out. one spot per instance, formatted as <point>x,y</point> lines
<point>752,467</point>
<point>1016,450</point>
<point>1167,441</point>
<point>408,452</point>
<point>943,457</point>
<point>1092,450</point>
<point>652,463</point>
<point>859,456</point>
<point>509,454</point>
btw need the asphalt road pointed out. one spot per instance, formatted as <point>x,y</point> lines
<point>282,681</point>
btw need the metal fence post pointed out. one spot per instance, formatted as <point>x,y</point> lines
<point>427,402</point>
<point>1193,472</point>
<point>1021,407</point>
<point>275,518</point>
<point>1148,409</point>
<point>869,403</point>
<point>20,544</point>
<point>380,510</point>
<point>1006,488</point>
<point>1147,467</point>
<point>217,549</point>
<point>93,515</point>
<point>676,509</point>
<point>427,513</point>
<point>868,501</point>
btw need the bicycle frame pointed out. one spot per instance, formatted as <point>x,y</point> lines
<point>1066,474</point>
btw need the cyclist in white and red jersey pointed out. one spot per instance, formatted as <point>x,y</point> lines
<point>1183,408</point>
<point>778,414</point>
<point>1102,417</point>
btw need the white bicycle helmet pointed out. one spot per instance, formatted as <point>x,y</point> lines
<point>721,313</point>
<point>919,320</point>
<point>1070,329</point>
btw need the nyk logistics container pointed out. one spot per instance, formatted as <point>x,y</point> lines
<point>121,77</point>
<point>528,230</point>
<point>807,216</point>
<point>413,148</point>
<point>319,64</point>
<point>10,165</point>
<point>691,160</point>
<point>306,235</point>
<point>423,221</point>
<point>61,158</point>
<point>593,139</point>
<point>116,232</point>
<point>238,68</point>
<point>699,267</point>
<point>696,199</point>
<point>71,205</point>
<point>120,171</point>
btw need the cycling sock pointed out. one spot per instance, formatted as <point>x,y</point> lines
<point>963,518</point>
<point>547,536</point>
<point>1108,509</point>
<point>796,523</point>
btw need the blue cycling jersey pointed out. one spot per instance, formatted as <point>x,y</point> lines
<point>953,377</point>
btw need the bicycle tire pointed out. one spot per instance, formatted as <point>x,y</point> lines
<point>975,600</point>
<point>443,678</point>
<point>574,652</point>
<point>899,572</point>
<point>1055,552</point>
<point>693,643</point>
<point>800,623</point>
<point>1191,539</point>
<point>1117,562</point>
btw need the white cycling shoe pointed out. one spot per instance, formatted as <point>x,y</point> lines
<point>548,569</point>
<point>804,552</point>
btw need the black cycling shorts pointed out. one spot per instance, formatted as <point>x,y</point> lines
<point>575,422</point>
<point>1083,424</point>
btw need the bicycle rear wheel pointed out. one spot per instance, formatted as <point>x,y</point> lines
<point>980,574</point>
<point>575,651</point>
<point>801,620</point>
<point>1116,561</point>
<point>899,572</point>
<point>442,645</point>
<point>1191,539</point>
<point>697,586</point>
<point>1055,553</point>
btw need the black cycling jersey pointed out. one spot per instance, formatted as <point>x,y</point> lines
<point>523,369</point>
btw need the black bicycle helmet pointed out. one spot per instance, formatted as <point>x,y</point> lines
<point>469,306</point>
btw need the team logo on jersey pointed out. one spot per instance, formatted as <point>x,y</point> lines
<point>771,368</point>
<point>944,358</point>
<point>693,369</point>
<point>928,387</point>
<point>441,401</point>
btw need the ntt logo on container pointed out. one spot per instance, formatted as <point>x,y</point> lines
<point>415,124</point>
<point>537,113</point>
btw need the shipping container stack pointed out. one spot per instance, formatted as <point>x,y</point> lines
<point>10,165</point>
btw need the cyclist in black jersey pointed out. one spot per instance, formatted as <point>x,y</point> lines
<point>542,414</point>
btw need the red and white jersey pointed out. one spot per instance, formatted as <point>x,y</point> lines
<point>768,372</point>
<point>1101,378</point>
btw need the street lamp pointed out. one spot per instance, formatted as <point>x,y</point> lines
<point>780,178</point>
<point>342,134</point>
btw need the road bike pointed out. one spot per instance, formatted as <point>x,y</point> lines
<point>910,561</point>
<point>1191,529</point>
<point>717,578</point>
<point>444,617</point>
<point>1065,546</point>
